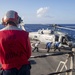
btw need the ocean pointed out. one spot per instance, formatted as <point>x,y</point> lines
<point>36,27</point>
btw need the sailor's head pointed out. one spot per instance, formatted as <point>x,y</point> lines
<point>11,17</point>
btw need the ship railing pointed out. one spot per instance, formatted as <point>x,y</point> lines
<point>67,71</point>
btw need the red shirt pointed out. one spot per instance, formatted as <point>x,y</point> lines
<point>15,48</point>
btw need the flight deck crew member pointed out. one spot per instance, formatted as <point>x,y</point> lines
<point>56,46</point>
<point>48,46</point>
<point>36,45</point>
<point>15,48</point>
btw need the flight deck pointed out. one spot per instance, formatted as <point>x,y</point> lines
<point>44,63</point>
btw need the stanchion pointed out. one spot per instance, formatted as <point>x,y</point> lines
<point>71,57</point>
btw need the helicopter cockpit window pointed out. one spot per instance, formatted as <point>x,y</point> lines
<point>69,38</point>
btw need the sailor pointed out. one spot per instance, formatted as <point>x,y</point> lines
<point>36,45</point>
<point>56,46</point>
<point>48,46</point>
<point>15,47</point>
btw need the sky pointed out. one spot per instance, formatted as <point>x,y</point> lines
<point>41,11</point>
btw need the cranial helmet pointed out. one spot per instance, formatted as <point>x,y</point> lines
<point>11,16</point>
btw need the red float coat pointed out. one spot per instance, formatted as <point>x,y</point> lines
<point>15,48</point>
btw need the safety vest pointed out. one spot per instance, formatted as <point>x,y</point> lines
<point>15,48</point>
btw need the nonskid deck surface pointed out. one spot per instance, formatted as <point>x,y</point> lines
<point>47,65</point>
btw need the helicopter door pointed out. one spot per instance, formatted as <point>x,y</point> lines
<point>64,40</point>
<point>56,38</point>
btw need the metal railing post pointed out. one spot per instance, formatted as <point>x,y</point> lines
<point>71,62</point>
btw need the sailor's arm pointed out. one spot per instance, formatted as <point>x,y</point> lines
<point>28,47</point>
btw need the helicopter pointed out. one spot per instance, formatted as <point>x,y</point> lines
<point>56,34</point>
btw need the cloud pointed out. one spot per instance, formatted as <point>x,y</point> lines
<point>42,12</point>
